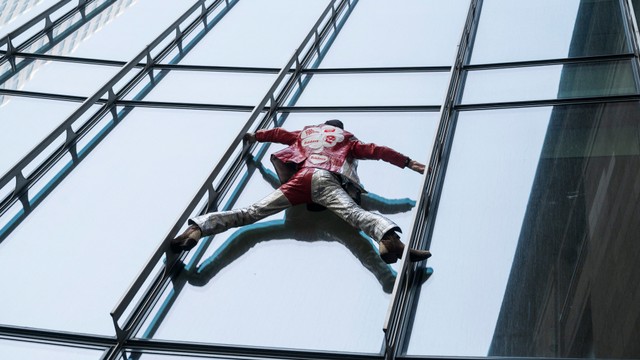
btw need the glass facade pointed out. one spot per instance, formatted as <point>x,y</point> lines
<point>120,119</point>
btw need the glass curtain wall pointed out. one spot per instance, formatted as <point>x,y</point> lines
<point>535,229</point>
<point>121,118</point>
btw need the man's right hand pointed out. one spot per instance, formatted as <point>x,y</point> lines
<point>250,137</point>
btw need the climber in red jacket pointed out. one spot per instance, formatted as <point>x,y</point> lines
<point>319,166</point>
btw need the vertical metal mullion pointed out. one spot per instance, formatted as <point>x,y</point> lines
<point>404,295</point>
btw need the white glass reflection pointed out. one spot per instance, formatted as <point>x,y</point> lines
<point>286,284</point>
<point>121,31</point>
<point>399,33</point>
<point>546,29</point>
<point>82,247</point>
<point>258,33</point>
<point>375,89</point>
<point>14,13</point>
<point>488,182</point>
<point>61,78</point>
<point>208,87</point>
<point>549,82</point>
<point>33,351</point>
<point>24,122</point>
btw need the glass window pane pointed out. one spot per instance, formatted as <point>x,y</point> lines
<point>91,236</point>
<point>60,78</point>
<point>535,243</point>
<point>10,349</point>
<point>549,82</point>
<point>25,122</point>
<point>375,89</point>
<point>258,33</point>
<point>207,87</point>
<point>300,273</point>
<point>399,33</point>
<point>119,32</point>
<point>515,30</point>
<point>14,13</point>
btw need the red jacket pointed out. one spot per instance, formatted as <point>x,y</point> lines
<point>325,147</point>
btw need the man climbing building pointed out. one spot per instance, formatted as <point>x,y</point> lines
<point>319,166</point>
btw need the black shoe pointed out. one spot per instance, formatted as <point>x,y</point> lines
<point>187,240</point>
<point>419,255</point>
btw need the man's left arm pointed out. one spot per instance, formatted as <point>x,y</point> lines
<point>375,152</point>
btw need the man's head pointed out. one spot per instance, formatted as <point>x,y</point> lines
<point>335,122</point>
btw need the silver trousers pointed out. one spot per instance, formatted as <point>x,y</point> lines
<point>325,190</point>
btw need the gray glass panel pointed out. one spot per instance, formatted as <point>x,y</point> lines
<point>14,13</point>
<point>515,30</point>
<point>535,243</point>
<point>60,78</point>
<point>119,32</point>
<point>399,33</point>
<point>82,247</point>
<point>258,33</point>
<point>375,89</point>
<point>299,279</point>
<point>550,82</point>
<point>207,87</point>
<point>33,351</point>
<point>25,122</point>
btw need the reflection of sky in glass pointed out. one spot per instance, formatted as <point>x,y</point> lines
<point>376,89</point>
<point>489,177</point>
<point>523,30</point>
<point>17,12</point>
<point>28,350</point>
<point>95,231</point>
<point>399,33</point>
<point>258,33</point>
<point>25,122</point>
<point>284,293</point>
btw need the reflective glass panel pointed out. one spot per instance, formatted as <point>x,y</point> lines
<point>244,36</point>
<point>14,13</point>
<point>119,32</point>
<point>535,241</point>
<point>374,89</point>
<point>206,87</point>
<point>10,349</point>
<point>60,78</point>
<point>299,279</point>
<point>81,248</point>
<point>24,122</point>
<point>550,82</point>
<point>525,30</point>
<point>399,33</point>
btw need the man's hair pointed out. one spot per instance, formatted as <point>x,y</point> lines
<point>335,122</point>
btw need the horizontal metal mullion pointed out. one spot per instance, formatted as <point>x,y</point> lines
<point>237,352</point>
<point>239,69</point>
<point>44,95</point>
<point>72,59</point>
<point>366,70</point>
<point>388,108</point>
<point>549,102</point>
<point>183,105</point>
<point>557,61</point>
<point>41,335</point>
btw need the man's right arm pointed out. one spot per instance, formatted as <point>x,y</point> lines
<point>277,135</point>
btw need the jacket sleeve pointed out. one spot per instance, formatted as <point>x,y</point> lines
<point>277,135</point>
<point>361,150</point>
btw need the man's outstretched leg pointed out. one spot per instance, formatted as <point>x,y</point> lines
<point>391,249</point>
<point>217,222</point>
<point>327,191</point>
